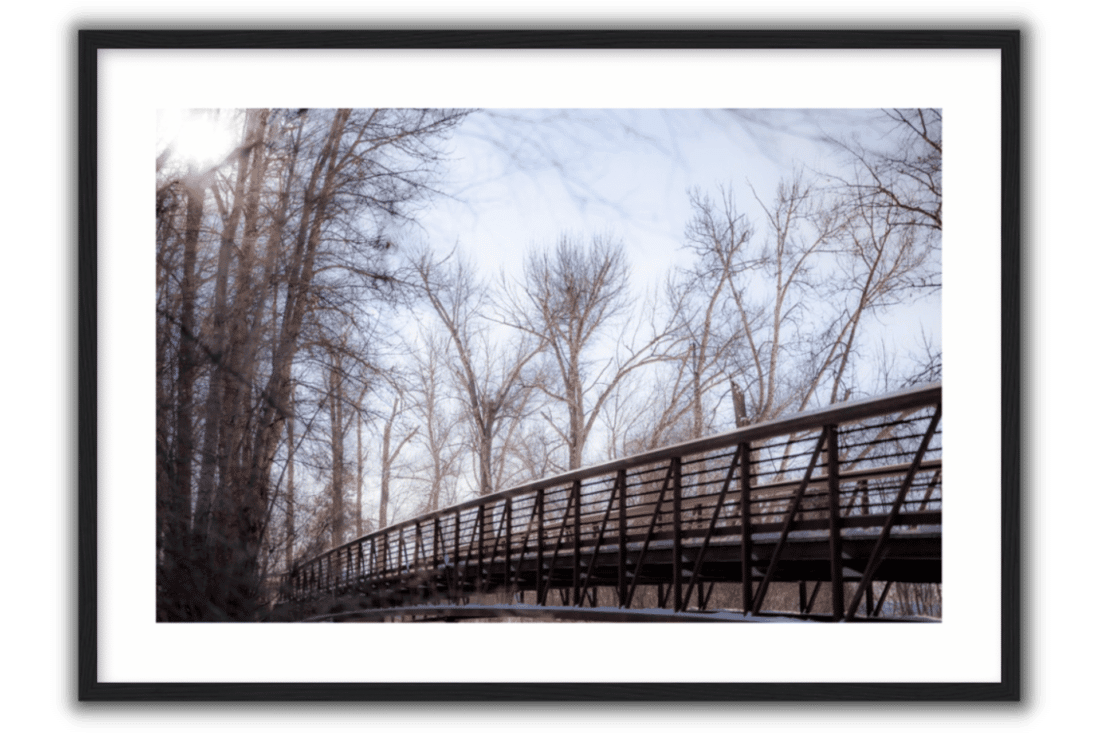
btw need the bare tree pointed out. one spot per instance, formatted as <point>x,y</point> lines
<point>713,327</point>
<point>801,224</point>
<point>532,452</point>
<point>572,297</point>
<point>892,201</point>
<point>289,503</point>
<point>900,177</point>
<point>360,460</point>
<point>651,409</point>
<point>882,265</point>
<point>490,376</point>
<point>280,247</point>
<point>757,321</point>
<point>776,324</point>
<point>439,437</point>
<point>340,417</point>
<point>175,423</point>
<point>396,434</point>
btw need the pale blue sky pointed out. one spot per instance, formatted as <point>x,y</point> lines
<point>520,178</point>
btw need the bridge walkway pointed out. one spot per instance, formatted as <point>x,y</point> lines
<point>847,496</point>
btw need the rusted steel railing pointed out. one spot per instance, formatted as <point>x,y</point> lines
<point>841,496</point>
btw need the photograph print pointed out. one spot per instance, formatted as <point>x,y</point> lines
<point>549,365</point>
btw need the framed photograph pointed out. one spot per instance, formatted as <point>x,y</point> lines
<point>549,365</point>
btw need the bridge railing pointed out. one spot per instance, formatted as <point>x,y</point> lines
<point>866,469</point>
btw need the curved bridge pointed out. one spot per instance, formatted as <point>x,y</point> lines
<point>841,501</point>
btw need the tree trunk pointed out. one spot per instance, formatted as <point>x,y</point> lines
<point>359,476</point>
<point>176,602</point>
<point>179,519</point>
<point>384,497</point>
<point>290,491</point>
<point>214,453</point>
<point>336,418</point>
<point>255,474</point>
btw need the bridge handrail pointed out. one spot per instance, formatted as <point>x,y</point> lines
<point>837,414</point>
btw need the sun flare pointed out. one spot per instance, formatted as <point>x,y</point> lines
<point>197,138</point>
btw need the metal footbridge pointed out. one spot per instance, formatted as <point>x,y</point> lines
<point>840,503</point>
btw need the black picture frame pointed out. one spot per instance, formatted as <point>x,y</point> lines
<point>1007,42</point>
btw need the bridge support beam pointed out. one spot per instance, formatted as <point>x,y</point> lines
<point>540,580</point>
<point>620,489</point>
<point>835,558</point>
<point>677,540</point>
<point>577,600</point>
<point>745,452</point>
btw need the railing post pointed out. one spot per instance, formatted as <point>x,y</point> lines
<point>455,588</point>
<point>540,585</point>
<point>418,547</point>
<point>481,547</point>
<point>677,540</point>
<point>401,550</point>
<point>508,541</point>
<point>835,560</point>
<point>577,543</point>
<point>745,450</point>
<point>435,545</point>
<point>385,553</point>
<point>620,483</point>
<point>359,564</point>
